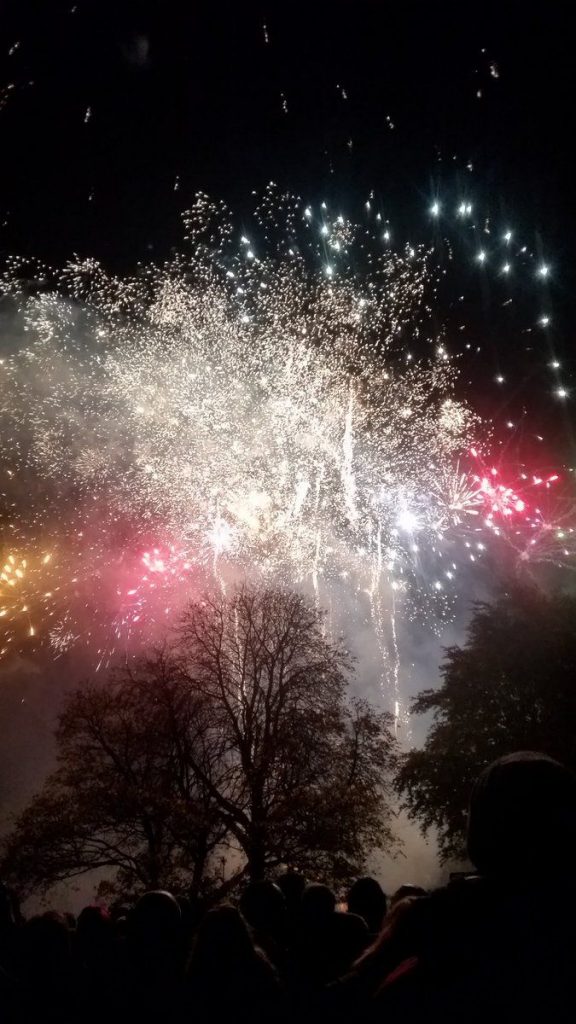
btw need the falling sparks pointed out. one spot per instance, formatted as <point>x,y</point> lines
<point>249,412</point>
<point>23,595</point>
<point>249,409</point>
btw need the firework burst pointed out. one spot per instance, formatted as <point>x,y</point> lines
<point>253,408</point>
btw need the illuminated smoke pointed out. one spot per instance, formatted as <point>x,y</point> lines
<point>251,409</point>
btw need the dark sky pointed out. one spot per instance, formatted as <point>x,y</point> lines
<point>113,114</point>
<point>105,104</point>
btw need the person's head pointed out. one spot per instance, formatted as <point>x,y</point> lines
<point>367,898</point>
<point>318,903</point>
<point>223,939</point>
<point>397,932</point>
<point>292,885</point>
<point>154,923</point>
<point>46,944</point>
<point>263,906</point>
<point>407,891</point>
<point>522,818</point>
<point>94,931</point>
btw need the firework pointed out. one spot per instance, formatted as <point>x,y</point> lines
<point>251,409</point>
<point>23,596</point>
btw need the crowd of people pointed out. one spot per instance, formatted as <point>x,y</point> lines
<point>497,944</point>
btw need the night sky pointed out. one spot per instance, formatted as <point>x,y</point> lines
<point>112,115</point>
<point>105,106</point>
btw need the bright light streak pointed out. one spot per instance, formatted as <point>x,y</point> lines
<point>408,521</point>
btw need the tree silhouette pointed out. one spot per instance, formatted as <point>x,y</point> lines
<point>510,687</point>
<point>234,741</point>
<point>306,771</point>
<point>122,796</point>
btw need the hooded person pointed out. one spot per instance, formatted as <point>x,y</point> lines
<point>522,819</point>
<point>500,945</point>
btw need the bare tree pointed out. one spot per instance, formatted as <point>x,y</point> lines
<point>304,774</point>
<point>123,796</point>
<point>237,739</point>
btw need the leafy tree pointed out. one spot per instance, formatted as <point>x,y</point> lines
<point>510,687</point>
<point>235,739</point>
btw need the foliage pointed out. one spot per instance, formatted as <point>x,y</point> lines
<point>122,795</point>
<point>234,741</point>
<point>510,687</point>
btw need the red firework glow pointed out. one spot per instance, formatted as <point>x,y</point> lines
<point>501,500</point>
<point>535,515</point>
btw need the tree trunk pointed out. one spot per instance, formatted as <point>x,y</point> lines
<point>256,860</point>
<point>256,852</point>
<point>199,866</point>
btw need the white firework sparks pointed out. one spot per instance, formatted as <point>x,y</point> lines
<point>251,408</point>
